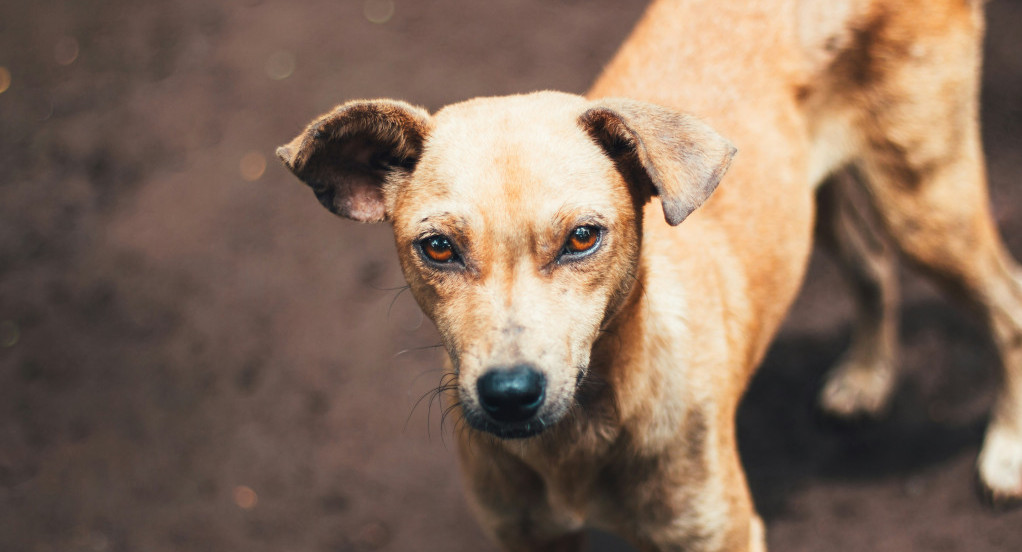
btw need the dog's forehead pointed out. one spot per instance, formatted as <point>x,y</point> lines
<point>524,152</point>
<point>537,107</point>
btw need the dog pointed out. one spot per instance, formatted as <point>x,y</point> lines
<point>603,302</point>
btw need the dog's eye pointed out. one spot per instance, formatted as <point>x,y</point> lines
<point>582,240</point>
<point>438,249</point>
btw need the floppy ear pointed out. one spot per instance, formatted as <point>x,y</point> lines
<point>661,152</point>
<point>347,155</point>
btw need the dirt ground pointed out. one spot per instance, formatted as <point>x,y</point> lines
<point>194,355</point>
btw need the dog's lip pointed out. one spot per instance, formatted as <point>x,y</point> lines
<point>518,430</point>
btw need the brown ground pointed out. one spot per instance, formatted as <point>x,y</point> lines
<point>193,360</point>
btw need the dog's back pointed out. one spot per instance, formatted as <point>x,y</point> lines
<point>889,88</point>
<point>797,85</point>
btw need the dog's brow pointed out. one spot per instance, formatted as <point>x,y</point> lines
<point>576,215</point>
<point>429,218</point>
<point>443,222</point>
<point>442,218</point>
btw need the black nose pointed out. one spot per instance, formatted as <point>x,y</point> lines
<point>512,394</point>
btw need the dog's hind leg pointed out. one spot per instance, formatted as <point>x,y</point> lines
<point>942,224</point>
<point>862,382</point>
<point>924,166</point>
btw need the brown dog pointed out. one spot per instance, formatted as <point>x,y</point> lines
<point>598,353</point>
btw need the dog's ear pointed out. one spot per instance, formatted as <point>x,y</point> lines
<point>661,152</point>
<point>347,155</point>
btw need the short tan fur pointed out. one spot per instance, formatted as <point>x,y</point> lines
<point>640,344</point>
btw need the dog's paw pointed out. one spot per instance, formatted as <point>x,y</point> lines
<point>1000,467</point>
<point>854,389</point>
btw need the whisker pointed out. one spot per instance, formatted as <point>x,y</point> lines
<point>432,392</point>
<point>447,383</point>
<point>395,288</point>
<point>412,349</point>
<point>401,290</point>
<point>422,373</point>
<point>443,418</point>
<point>437,396</point>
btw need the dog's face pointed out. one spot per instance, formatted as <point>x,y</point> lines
<point>519,238</point>
<point>517,222</point>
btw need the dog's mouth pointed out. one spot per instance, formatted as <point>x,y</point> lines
<point>519,430</point>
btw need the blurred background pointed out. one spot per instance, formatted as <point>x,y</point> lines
<point>194,355</point>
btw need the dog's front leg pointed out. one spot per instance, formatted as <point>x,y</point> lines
<point>693,498</point>
<point>509,500</point>
<point>716,521</point>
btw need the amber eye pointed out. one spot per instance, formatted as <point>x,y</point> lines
<point>582,240</point>
<point>438,249</point>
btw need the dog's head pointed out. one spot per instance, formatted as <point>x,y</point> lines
<point>518,223</point>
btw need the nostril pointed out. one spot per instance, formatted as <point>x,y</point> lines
<point>512,394</point>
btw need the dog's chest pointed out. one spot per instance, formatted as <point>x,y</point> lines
<point>600,487</point>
